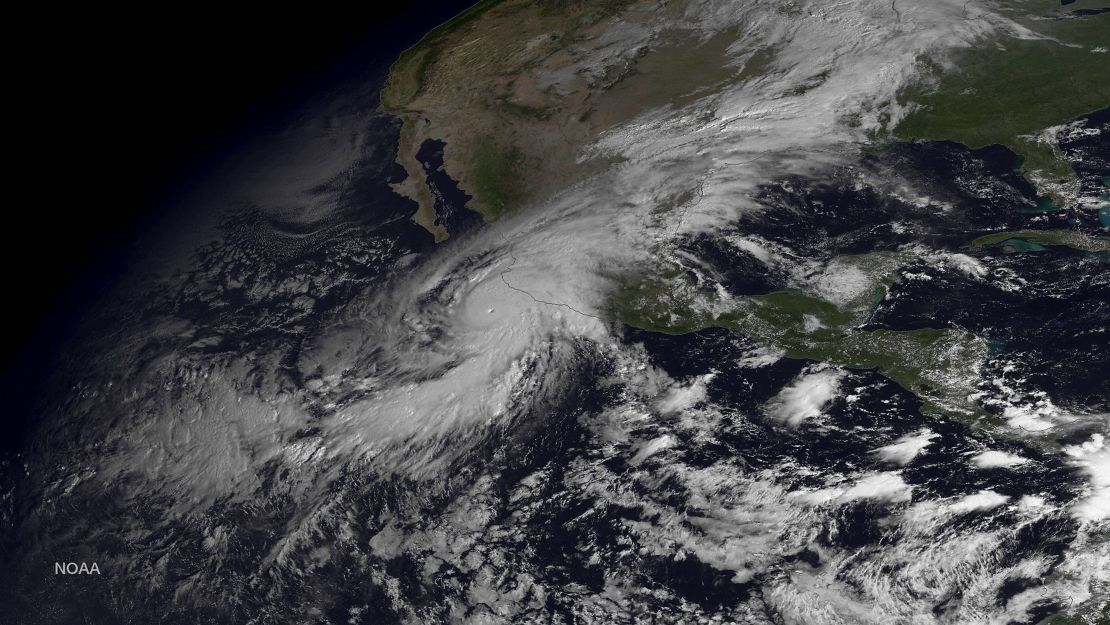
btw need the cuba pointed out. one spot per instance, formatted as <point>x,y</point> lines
<point>76,568</point>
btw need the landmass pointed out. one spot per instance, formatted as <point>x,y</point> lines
<point>515,89</point>
<point>1018,89</point>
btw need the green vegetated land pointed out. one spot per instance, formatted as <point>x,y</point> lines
<point>1007,90</point>
<point>1034,240</point>
<point>938,365</point>
<point>496,170</point>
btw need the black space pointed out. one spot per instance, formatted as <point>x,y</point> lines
<point>115,111</point>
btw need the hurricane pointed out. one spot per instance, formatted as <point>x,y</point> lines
<point>735,353</point>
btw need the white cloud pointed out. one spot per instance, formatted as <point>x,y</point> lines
<point>681,398</point>
<point>882,486</point>
<point>806,397</point>
<point>982,500</point>
<point>968,265</point>
<point>906,448</point>
<point>652,447</point>
<point>761,357</point>
<point>886,486</point>
<point>1031,502</point>
<point>842,281</point>
<point>1093,457</point>
<point>992,459</point>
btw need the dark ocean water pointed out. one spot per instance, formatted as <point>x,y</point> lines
<point>33,351</point>
<point>556,529</point>
<point>450,206</point>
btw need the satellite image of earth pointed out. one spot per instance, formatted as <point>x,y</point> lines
<point>788,312</point>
